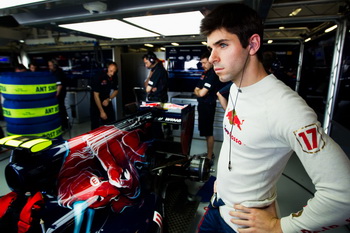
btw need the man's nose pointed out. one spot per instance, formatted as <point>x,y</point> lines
<point>213,57</point>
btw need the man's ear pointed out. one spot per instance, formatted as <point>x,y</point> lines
<point>254,44</point>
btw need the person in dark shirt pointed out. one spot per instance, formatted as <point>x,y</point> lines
<point>61,82</point>
<point>33,67</point>
<point>157,82</point>
<point>223,95</point>
<point>206,96</point>
<point>20,68</point>
<point>104,88</point>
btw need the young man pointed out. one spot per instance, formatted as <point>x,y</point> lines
<point>206,96</point>
<point>104,88</point>
<point>265,121</point>
<point>157,82</point>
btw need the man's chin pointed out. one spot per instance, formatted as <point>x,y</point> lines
<point>224,79</point>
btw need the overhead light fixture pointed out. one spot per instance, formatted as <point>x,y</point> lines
<point>186,23</point>
<point>149,45</point>
<point>330,28</point>
<point>13,3</point>
<point>204,43</point>
<point>95,7</point>
<point>269,41</point>
<point>162,48</point>
<point>295,12</point>
<point>308,39</point>
<point>281,28</point>
<point>111,28</point>
<point>175,44</point>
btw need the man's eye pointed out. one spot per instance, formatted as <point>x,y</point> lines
<point>223,45</point>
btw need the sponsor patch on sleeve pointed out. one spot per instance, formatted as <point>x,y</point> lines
<point>310,139</point>
<point>207,85</point>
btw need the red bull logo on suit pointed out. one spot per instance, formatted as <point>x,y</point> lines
<point>234,119</point>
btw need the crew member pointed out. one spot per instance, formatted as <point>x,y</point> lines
<point>104,88</point>
<point>156,84</point>
<point>206,96</point>
<point>33,67</point>
<point>223,95</point>
<point>61,82</point>
<point>20,68</point>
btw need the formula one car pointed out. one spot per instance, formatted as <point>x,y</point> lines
<point>111,179</point>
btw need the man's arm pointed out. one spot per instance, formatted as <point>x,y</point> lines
<point>58,90</point>
<point>329,169</point>
<point>111,97</point>
<point>147,87</point>
<point>200,92</point>
<point>222,100</point>
<point>97,99</point>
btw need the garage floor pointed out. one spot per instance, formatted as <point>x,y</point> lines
<point>294,187</point>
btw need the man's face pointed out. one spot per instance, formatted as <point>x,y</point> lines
<point>147,63</point>
<point>227,55</point>
<point>112,69</point>
<point>32,68</point>
<point>206,64</point>
<point>51,66</point>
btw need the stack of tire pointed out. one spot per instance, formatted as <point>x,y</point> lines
<point>30,107</point>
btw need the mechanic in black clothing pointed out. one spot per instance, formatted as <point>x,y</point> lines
<point>61,82</point>
<point>206,96</point>
<point>223,95</point>
<point>157,82</point>
<point>104,88</point>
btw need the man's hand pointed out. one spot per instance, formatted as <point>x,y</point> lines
<point>105,102</point>
<point>256,220</point>
<point>201,92</point>
<point>196,91</point>
<point>103,115</point>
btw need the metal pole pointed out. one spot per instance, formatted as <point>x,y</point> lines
<point>335,75</point>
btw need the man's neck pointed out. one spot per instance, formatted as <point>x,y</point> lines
<point>154,65</point>
<point>254,72</point>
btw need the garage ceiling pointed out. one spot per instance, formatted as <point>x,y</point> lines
<point>38,23</point>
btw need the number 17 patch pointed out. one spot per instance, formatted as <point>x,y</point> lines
<point>310,139</point>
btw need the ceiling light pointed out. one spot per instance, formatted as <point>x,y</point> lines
<point>149,45</point>
<point>111,28</point>
<point>186,23</point>
<point>175,44</point>
<point>12,3</point>
<point>331,28</point>
<point>162,48</point>
<point>269,41</point>
<point>281,27</point>
<point>204,43</point>
<point>95,7</point>
<point>308,39</point>
<point>295,12</point>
